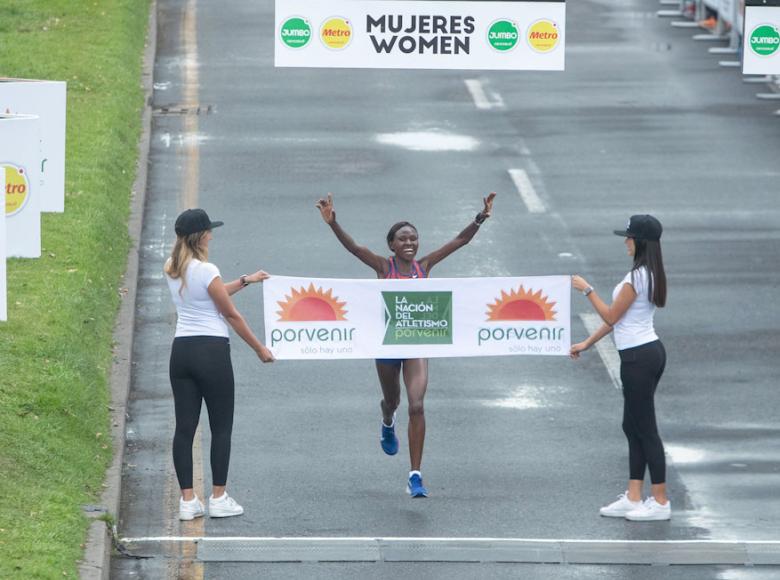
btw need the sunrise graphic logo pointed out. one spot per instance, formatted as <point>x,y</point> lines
<point>311,304</point>
<point>521,304</point>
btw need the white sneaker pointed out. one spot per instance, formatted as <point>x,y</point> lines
<point>651,511</point>
<point>619,508</point>
<point>189,510</point>
<point>224,506</point>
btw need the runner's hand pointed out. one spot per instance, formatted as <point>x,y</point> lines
<point>325,205</point>
<point>488,201</point>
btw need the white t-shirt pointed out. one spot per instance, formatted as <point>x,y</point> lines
<point>197,313</point>
<point>635,328</point>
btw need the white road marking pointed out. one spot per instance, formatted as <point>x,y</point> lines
<point>560,551</point>
<point>526,190</point>
<point>481,99</point>
<point>166,138</point>
<point>429,141</point>
<point>605,347</point>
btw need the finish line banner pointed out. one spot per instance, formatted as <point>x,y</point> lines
<point>512,35</point>
<point>325,318</point>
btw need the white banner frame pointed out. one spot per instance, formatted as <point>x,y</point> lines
<point>47,100</point>
<point>763,15</point>
<point>438,34</point>
<point>20,150</point>
<point>332,319</point>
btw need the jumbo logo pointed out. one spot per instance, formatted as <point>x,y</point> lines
<point>17,188</point>
<point>296,32</point>
<point>764,40</point>
<point>311,304</point>
<point>336,33</point>
<point>521,304</point>
<point>543,36</point>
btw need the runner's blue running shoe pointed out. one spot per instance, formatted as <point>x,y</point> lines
<point>415,487</point>
<point>389,440</point>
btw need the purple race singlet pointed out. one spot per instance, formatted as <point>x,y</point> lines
<point>394,274</point>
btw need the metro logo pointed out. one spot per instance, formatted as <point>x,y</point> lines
<point>17,188</point>
<point>336,33</point>
<point>543,36</point>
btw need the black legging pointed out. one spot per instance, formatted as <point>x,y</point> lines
<point>641,368</point>
<point>200,369</point>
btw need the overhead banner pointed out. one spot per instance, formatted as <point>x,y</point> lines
<point>46,100</point>
<point>20,155</point>
<point>512,35</point>
<point>322,318</point>
<point>761,38</point>
<point>3,288</point>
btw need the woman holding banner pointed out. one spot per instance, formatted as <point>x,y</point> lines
<point>642,362</point>
<point>403,241</point>
<point>200,366</point>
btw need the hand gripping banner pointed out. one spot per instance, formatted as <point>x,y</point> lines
<point>323,318</point>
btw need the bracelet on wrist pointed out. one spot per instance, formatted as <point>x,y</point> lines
<point>480,219</point>
<point>587,291</point>
<point>244,281</point>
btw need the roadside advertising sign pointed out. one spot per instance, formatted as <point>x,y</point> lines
<point>326,318</point>
<point>393,34</point>
<point>20,156</point>
<point>3,288</point>
<point>45,99</point>
<point>761,38</point>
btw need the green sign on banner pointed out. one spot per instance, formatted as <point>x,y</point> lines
<point>296,32</point>
<point>503,35</point>
<point>418,317</point>
<point>764,40</point>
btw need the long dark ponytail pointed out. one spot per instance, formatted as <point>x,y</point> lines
<point>648,254</point>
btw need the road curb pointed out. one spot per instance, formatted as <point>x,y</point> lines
<point>96,562</point>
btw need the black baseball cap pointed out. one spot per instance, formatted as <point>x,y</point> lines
<point>192,221</point>
<point>642,227</point>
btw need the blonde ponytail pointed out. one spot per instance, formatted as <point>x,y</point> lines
<point>184,251</point>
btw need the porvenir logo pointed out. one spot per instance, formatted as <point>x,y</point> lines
<point>311,304</point>
<point>17,188</point>
<point>764,40</point>
<point>530,308</point>
<point>521,304</point>
<point>296,32</point>
<point>336,33</point>
<point>543,36</point>
<point>418,317</point>
<point>503,35</point>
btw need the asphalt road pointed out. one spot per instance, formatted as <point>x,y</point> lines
<point>642,121</point>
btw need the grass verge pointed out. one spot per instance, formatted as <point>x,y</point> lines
<point>55,350</point>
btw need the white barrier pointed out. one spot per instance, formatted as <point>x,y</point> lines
<point>20,155</point>
<point>3,288</point>
<point>47,100</point>
<point>761,39</point>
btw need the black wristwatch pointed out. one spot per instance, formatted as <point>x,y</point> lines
<point>480,219</point>
<point>244,283</point>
